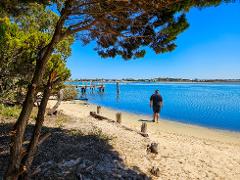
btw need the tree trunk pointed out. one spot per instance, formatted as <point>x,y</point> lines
<point>14,167</point>
<point>32,147</point>
<point>59,100</point>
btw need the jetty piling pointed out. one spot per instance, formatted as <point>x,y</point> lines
<point>118,88</point>
<point>91,86</point>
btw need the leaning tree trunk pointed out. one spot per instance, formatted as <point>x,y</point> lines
<point>59,100</point>
<point>17,151</point>
<point>32,147</point>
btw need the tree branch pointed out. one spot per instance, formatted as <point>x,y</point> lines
<point>73,31</point>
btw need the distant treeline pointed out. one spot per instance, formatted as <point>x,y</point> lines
<point>156,80</point>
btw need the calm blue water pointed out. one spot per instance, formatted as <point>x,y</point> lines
<point>210,105</point>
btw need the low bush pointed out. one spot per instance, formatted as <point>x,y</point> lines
<point>9,111</point>
<point>69,93</point>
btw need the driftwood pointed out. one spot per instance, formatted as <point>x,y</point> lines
<point>97,116</point>
<point>53,111</point>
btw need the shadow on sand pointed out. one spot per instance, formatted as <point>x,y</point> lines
<point>146,120</point>
<point>72,155</point>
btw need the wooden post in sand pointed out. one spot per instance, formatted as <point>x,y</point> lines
<point>119,118</point>
<point>98,109</point>
<point>118,88</point>
<point>144,128</point>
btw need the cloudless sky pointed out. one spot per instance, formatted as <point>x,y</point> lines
<point>209,48</point>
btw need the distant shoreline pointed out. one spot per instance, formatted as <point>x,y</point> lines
<point>175,82</point>
<point>152,81</point>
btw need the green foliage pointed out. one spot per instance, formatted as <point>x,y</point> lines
<point>14,111</point>
<point>95,131</point>
<point>21,40</point>
<point>100,134</point>
<point>18,7</point>
<point>122,28</point>
<point>64,47</point>
<point>57,73</point>
<point>60,120</point>
<point>56,67</point>
<point>18,52</point>
<point>69,93</point>
<point>126,28</point>
<point>37,17</point>
<point>76,132</point>
<point>8,111</point>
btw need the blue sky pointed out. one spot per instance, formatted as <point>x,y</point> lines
<point>209,48</point>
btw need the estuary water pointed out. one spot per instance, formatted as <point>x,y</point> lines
<point>209,105</point>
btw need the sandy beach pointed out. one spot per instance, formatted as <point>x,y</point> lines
<point>185,151</point>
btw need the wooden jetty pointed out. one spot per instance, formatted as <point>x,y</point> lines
<point>89,86</point>
<point>92,87</point>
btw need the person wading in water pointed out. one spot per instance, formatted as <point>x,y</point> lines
<point>156,102</point>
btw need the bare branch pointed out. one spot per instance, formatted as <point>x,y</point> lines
<point>73,31</point>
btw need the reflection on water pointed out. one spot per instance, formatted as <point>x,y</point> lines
<point>117,97</point>
<point>211,105</point>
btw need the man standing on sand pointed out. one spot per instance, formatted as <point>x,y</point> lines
<point>156,102</point>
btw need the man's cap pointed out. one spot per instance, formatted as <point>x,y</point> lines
<point>156,91</point>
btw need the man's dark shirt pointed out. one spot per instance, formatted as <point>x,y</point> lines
<point>156,99</point>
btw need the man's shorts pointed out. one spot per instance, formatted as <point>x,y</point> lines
<point>156,109</point>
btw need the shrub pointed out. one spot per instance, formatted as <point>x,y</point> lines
<point>9,111</point>
<point>69,93</point>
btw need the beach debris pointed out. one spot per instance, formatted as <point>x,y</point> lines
<point>98,109</point>
<point>96,116</point>
<point>119,118</point>
<point>153,148</point>
<point>99,117</point>
<point>155,171</point>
